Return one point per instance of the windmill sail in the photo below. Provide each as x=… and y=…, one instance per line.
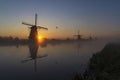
x=33, y=32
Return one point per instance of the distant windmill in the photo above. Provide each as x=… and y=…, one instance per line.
x=90, y=37
x=78, y=36
x=33, y=30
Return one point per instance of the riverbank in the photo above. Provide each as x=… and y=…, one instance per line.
x=104, y=65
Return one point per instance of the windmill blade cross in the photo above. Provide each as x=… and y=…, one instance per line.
x=27, y=24
x=75, y=35
x=39, y=27
x=35, y=19
x=78, y=32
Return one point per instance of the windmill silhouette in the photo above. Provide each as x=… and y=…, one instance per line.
x=33, y=35
x=78, y=36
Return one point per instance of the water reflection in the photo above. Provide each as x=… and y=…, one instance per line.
x=78, y=47
x=64, y=61
x=33, y=50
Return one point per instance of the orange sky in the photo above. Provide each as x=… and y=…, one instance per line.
x=95, y=18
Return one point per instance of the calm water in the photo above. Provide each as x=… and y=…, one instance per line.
x=50, y=62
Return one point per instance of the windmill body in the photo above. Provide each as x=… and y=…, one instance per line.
x=33, y=33
x=78, y=37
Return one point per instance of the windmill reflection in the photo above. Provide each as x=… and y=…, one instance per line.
x=33, y=49
x=78, y=46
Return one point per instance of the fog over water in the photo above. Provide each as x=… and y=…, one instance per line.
x=60, y=61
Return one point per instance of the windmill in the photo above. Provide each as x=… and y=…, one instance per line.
x=33, y=35
x=90, y=37
x=78, y=36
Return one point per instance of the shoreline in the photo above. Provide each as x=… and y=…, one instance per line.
x=104, y=65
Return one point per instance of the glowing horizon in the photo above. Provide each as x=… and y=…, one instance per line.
x=91, y=18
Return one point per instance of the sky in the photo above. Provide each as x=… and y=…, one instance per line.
x=97, y=18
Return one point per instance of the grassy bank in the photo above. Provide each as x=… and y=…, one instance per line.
x=104, y=65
